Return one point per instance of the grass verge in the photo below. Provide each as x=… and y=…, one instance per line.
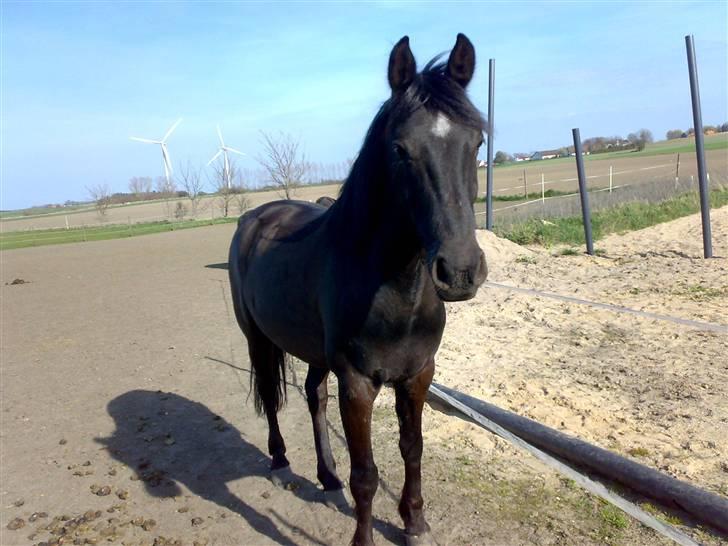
x=532, y=195
x=22, y=239
x=627, y=217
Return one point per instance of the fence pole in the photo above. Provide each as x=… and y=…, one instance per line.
x=699, y=148
x=543, y=189
x=585, y=212
x=525, y=185
x=677, y=170
x=67, y=226
x=610, y=179
x=489, y=166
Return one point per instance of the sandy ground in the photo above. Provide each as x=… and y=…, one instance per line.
x=558, y=175
x=651, y=389
x=122, y=368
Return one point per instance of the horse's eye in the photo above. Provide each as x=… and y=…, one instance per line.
x=400, y=151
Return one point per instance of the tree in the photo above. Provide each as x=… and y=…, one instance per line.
x=645, y=136
x=165, y=187
x=640, y=139
x=240, y=197
x=140, y=185
x=673, y=134
x=285, y=167
x=101, y=196
x=724, y=127
x=191, y=179
x=229, y=196
x=501, y=157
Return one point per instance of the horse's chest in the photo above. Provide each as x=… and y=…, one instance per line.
x=398, y=337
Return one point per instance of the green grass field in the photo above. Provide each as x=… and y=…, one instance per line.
x=619, y=219
x=35, y=211
x=718, y=141
x=22, y=239
x=532, y=195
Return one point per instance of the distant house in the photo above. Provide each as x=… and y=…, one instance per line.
x=522, y=157
x=482, y=164
x=546, y=154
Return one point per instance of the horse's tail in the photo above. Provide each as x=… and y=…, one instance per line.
x=268, y=373
x=268, y=377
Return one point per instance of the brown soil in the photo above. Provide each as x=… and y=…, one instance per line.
x=124, y=382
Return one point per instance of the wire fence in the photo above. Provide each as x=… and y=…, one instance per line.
x=209, y=208
x=651, y=184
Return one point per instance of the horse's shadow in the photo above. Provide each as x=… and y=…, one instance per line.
x=170, y=440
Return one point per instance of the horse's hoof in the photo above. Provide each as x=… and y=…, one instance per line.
x=282, y=477
x=423, y=539
x=337, y=499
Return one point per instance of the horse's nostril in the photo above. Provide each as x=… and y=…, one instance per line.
x=441, y=271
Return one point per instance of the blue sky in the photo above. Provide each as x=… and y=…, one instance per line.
x=78, y=78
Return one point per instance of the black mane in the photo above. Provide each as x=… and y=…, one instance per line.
x=437, y=92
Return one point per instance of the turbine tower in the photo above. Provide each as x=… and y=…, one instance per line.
x=223, y=150
x=165, y=151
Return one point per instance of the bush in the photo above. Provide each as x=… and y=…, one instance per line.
x=180, y=211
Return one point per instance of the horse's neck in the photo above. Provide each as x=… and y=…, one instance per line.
x=373, y=230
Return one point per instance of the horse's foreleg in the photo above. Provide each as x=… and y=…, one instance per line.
x=356, y=396
x=317, y=397
x=410, y=396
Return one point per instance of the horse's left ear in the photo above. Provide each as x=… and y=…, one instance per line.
x=461, y=63
x=402, y=66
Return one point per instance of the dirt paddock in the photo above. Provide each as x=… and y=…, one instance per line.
x=124, y=385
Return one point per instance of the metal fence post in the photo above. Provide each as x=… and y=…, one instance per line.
x=585, y=212
x=699, y=148
x=610, y=178
x=489, y=166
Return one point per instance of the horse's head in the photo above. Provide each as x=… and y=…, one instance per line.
x=432, y=136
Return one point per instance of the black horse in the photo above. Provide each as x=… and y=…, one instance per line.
x=358, y=288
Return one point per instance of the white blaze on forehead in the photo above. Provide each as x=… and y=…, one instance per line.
x=442, y=126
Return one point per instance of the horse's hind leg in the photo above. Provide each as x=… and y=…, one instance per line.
x=317, y=397
x=410, y=398
x=268, y=368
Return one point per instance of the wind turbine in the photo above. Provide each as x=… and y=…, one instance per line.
x=226, y=161
x=165, y=151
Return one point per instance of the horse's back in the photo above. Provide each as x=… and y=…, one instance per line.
x=274, y=263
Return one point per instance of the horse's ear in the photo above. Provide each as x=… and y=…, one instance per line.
x=402, y=66
x=461, y=64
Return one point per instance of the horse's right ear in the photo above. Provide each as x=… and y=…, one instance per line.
x=402, y=66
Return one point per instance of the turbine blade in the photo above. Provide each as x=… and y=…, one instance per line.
x=167, y=162
x=233, y=150
x=219, y=133
x=171, y=129
x=145, y=140
x=214, y=157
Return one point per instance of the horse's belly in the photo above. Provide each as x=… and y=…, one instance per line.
x=282, y=304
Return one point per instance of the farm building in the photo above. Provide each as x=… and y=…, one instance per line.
x=547, y=154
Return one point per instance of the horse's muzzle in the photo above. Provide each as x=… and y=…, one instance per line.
x=456, y=282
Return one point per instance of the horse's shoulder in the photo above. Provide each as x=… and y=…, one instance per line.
x=282, y=221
